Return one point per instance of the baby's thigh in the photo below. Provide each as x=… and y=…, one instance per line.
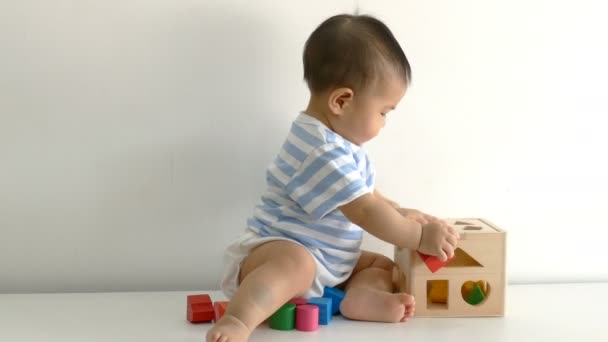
x=294, y=261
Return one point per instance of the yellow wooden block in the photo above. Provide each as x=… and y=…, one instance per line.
x=438, y=293
x=466, y=288
x=483, y=285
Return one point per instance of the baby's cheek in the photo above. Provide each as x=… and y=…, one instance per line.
x=374, y=130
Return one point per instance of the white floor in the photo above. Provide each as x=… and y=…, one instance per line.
x=568, y=312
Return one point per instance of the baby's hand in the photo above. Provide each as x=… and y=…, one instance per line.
x=438, y=239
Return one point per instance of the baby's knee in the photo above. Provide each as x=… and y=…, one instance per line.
x=290, y=261
x=383, y=262
x=300, y=265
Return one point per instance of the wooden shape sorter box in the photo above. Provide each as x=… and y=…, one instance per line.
x=471, y=284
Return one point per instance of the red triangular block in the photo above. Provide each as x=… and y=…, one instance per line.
x=220, y=309
x=433, y=263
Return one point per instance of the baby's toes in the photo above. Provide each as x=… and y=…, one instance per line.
x=406, y=299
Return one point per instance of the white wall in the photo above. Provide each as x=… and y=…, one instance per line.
x=134, y=134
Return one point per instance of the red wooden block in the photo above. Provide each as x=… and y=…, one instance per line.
x=200, y=308
x=299, y=301
x=433, y=263
x=220, y=309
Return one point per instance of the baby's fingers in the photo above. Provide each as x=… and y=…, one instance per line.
x=421, y=219
x=449, y=251
x=452, y=240
x=430, y=218
x=453, y=231
x=442, y=255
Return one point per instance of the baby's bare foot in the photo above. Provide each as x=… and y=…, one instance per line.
x=377, y=306
x=228, y=329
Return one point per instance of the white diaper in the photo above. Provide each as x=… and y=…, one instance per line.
x=240, y=248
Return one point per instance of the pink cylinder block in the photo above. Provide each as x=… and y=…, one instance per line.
x=307, y=317
x=299, y=301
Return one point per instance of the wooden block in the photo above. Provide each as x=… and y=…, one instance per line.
x=219, y=309
x=299, y=301
x=467, y=287
x=336, y=296
x=475, y=296
x=199, y=308
x=325, y=309
x=307, y=317
x=284, y=318
x=438, y=292
x=483, y=285
x=470, y=285
x=433, y=263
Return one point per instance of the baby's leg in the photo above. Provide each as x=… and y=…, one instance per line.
x=369, y=292
x=271, y=275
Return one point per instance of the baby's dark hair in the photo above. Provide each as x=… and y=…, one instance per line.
x=352, y=51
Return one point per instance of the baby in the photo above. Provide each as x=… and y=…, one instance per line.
x=306, y=232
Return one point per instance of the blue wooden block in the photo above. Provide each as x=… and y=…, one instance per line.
x=325, y=310
x=336, y=296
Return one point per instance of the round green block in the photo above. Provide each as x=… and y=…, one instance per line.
x=475, y=296
x=284, y=318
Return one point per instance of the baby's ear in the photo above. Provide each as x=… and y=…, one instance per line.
x=339, y=99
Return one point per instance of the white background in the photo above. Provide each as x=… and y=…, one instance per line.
x=134, y=135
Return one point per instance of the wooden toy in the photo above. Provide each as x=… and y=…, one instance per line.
x=325, y=312
x=284, y=318
x=472, y=283
x=433, y=263
x=438, y=292
x=336, y=296
x=307, y=317
x=220, y=310
x=199, y=308
x=299, y=301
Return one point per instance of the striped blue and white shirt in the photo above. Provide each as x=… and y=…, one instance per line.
x=315, y=173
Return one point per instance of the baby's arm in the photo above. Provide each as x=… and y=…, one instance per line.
x=385, y=199
x=372, y=213
x=413, y=214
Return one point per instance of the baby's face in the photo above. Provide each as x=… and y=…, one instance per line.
x=366, y=115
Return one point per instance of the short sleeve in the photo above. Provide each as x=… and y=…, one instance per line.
x=370, y=175
x=328, y=178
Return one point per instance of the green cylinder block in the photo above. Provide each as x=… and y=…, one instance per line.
x=284, y=318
